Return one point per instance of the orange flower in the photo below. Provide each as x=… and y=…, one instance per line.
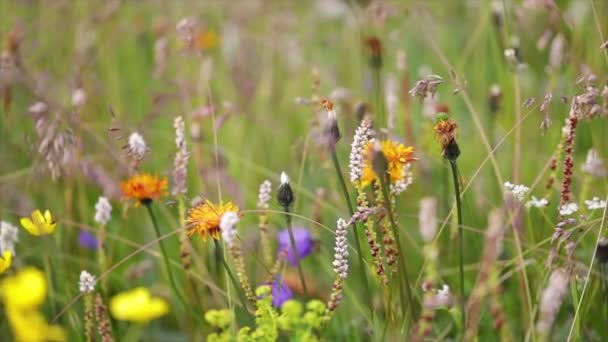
x=205, y=218
x=397, y=156
x=206, y=40
x=446, y=130
x=144, y=188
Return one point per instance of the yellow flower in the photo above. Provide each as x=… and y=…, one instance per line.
x=5, y=261
x=39, y=224
x=206, y=40
x=138, y=306
x=397, y=156
x=205, y=218
x=31, y=326
x=144, y=188
x=25, y=290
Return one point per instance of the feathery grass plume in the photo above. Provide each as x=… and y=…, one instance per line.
x=551, y=301
x=9, y=236
x=103, y=322
x=426, y=87
x=180, y=163
x=264, y=197
x=487, y=277
x=228, y=224
x=86, y=285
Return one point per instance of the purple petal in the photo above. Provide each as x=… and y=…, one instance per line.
x=303, y=240
x=88, y=240
x=280, y=293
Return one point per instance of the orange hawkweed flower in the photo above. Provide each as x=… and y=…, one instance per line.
x=446, y=130
x=144, y=188
x=204, y=218
x=397, y=156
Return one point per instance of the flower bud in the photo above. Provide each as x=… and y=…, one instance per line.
x=285, y=193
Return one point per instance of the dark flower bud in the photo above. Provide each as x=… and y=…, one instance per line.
x=602, y=251
x=451, y=151
x=285, y=193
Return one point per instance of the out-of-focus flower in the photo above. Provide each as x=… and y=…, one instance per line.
x=136, y=146
x=137, y=306
x=551, y=300
x=518, y=191
x=426, y=87
x=180, y=163
x=537, y=203
x=228, y=224
x=103, y=211
x=264, y=194
x=303, y=240
x=9, y=235
x=205, y=218
x=397, y=155
x=143, y=188
x=206, y=40
x=88, y=240
x=280, y=292
x=594, y=165
x=427, y=218
x=39, y=224
x=595, y=203
x=87, y=282
x=79, y=97
x=5, y=261
x=31, y=326
x=568, y=209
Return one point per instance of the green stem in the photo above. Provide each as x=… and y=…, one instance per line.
x=403, y=266
x=219, y=252
x=295, y=250
x=351, y=211
x=460, y=238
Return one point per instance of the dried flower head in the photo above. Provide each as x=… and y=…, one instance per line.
x=144, y=188
x=205, y=218
x=103, y=211
x=397, y=157
x=446, y=131
x=87, y=282
x=136, y=146
x=426, y=87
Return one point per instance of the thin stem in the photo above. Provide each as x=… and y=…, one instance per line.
x=351, y=211
x=460, y=238
x=165, y=254
x=389, y=212
x=219, y=249
x=292, y=240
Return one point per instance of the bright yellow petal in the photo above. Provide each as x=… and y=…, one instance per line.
x=30, y=226
x=5, y=261
x=47, y=216
x=37, y=217
x=24, y=291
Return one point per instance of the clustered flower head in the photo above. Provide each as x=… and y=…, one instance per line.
x=537, y=203
x=136, y=146
x=594, y=165
x=180, y=163
x=341, y=250
x=138, y=306
x=9, y=236
x=39, y=224
x=144, y=188
x=87, y=282
x=103, y=211
x=446, y=131
x=264, y=195
x=205, y=218
x=363, y=135
x=595, y=203
x=397, y=157
x=518, y=191
x=568, y=209
x=228, y=224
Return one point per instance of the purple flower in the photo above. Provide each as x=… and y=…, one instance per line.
x=280, y=292
x=303, y=241
x=88, y=240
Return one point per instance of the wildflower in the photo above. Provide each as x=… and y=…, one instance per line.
x=304, y=244
x=551, y=300
x=426, y=87
x=595, y=203
x=397, y=156
x=38, y=107
x=280, y=292
x=518, y=191
x=205, y=218
x=180, y=163
x=341, y=250
x=494, y=100
x=39, y=224
x=87, y=282
x=144, y=188
x=284, y=193
x=88, y=240
x=406, y=180
x=331, y=132
x=137, y=306
x=446, y=131
x=374, y=45
x=9, y=235
x=228, y=224
x=79, y=97
x=5, y=261
x=594, y=165
x=103, y=211
x=363, y=135
x=206, y=40
x=136, y=146
x=427, y=218
x=264, y=194
x=568, y=209
x=537, y=203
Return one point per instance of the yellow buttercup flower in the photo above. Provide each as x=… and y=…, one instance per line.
x=138, y=306
x=39, y=224
x=205, y=218
x=31, y=326
x=397, y=156
x=144, y=188
x=5, y=261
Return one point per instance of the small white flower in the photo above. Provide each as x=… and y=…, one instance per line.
x=537, y=203
x=518, y=191
x=594, y=165
x=9, y=236
x=87, y=282
x=284, y=178
x=38, y=108
x=444, y=292
x=264, y=195
x=103, y=211
x=79, y=97
x=341, y=250
x=363, y=135
x=568, y=209
x=228, y=224
x=595, y=203
x=137, y=145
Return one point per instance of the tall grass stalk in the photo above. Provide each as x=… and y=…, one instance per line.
x=454, y=168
